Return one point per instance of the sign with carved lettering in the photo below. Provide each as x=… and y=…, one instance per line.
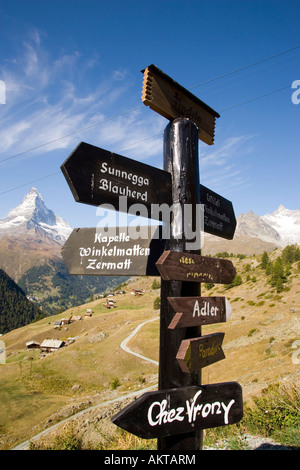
x=96, y=176
x=195, y=353
x=171, y=100
x=176, y=266
x=219, y=217
x=113, y=251
x=182, y=410
x=197, y=311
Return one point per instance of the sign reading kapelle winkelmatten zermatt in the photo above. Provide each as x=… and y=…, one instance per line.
x=113, y=251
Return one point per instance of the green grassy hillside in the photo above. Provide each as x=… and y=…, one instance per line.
x=260, y=346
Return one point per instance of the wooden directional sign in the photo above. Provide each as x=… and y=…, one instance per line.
x=113, y=252
x=176, y=266
x=219, y=217
x=182, y=410
x=197, y=311
x=171, y=100
x=96, y=176
x=195, y=353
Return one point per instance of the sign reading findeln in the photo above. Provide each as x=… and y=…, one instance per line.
x=196, y=353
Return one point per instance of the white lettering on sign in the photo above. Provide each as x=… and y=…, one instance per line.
x=205, y=310
x=111, y=252
x=158, y=413
x=119, y=188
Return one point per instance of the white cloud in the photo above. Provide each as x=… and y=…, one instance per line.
x=222, y=166
x=47, y=101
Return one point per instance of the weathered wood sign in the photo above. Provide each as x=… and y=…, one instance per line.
x=219, y=217
x=96, y=176
x=171, y=100
x=182, y=410
x=195, y=353
x=196, y=311
x=176, y=266
x=113, y=251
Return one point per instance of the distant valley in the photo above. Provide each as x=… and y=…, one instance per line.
x=31, y=238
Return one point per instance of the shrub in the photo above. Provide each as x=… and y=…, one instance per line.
x=156, y=303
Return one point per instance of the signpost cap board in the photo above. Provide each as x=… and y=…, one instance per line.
x=171, y=100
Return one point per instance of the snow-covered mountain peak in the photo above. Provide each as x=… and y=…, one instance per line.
x=33, y=215
x=286, y=222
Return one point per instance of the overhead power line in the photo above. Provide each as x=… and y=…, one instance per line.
x=140, y=107
x=244, y=67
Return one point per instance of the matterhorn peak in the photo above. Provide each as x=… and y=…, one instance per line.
x=33, y=216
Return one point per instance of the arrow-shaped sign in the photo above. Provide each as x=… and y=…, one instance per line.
x=171, y=100
x=182, y=410
x=219, y=217
x=96, y=176
x=197, y=311
x=195, y=353
x=113, y=251
x=176, y=266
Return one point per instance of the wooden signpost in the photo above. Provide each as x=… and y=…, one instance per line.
x=196, y=353
x=177, y=413
x=194, y=311
x=176, y=266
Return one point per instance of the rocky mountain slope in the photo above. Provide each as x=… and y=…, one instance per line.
x=255, y=234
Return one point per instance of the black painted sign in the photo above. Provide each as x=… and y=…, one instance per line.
x=97, y=176
x=113, y=251
x=196, y=353
x=197, y=311
x=176, y=266
x=182, y=410
x=219, y=217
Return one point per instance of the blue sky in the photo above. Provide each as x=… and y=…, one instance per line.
x=72, y=73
